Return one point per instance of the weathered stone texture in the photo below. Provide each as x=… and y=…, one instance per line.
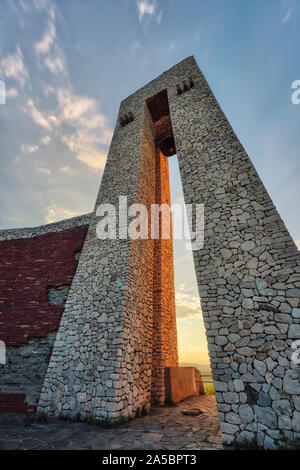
x=23, y=374
x=106, y=344
x=30, y=232
x=247, y=272
x=248, y=275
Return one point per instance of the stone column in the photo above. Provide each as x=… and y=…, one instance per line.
x=248, y=274
x=164, y=342
x=102, y=361
x=102, y=357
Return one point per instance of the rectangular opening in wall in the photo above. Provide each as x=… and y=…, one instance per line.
x=192, y=343
x=170, y=254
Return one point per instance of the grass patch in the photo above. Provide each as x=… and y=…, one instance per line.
x=208, y=388
x=141, y=412
x=106, y=422
x=42, y=418
x=283, y=443
x=246, y=444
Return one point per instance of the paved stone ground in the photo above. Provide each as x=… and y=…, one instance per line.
x=162, y=428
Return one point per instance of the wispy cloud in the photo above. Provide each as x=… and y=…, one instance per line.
x=288, y=7
x=37, y=116
x=158, y=17
x=66, y=169
x=287, y=16
x=54, y=213
x=54, y=64
x=44, y=44
x=186, y=304
x=46, y=139
x=46, y=6
x=90, y=130
x=75, y=119
x=45, y=171
x=82, y=110
x=13, y=67
x=134, y=46
x=148, y=9
x=47, y=50
x=12, y=93
x=87, y=133
x=85, y=146
x=29, y=148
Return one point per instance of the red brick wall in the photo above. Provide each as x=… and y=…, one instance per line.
x=28, y=266
x=15, y=402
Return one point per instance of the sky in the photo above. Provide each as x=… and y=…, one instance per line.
x=67, y=64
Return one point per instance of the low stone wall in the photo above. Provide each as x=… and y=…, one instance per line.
x=37, y=266
x=180, y=383
x=30, y=232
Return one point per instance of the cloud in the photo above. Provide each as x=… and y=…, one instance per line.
x=71, y=130
x=46, y=6
x=29, y=148
x=67, y=170
x=84, y=145
x=12, y=93
x=134, y=46
x=159, y=17
x=54, y=64
x=13, y=67
x=286, y=18
x=46, y=140
x=87, y=131
x=94, y=159
x=298, y=244
x=289, y=7
x=172, y=45
x=45, y=171
x=37, y=116
x=185, y=288
x=78, y=124
x=148, y=8
x=186, y=304
x=48, y=90
x=43, y=46
x=75, y=119
x=74, y=108
x=55, y=213
x=49, y=54
x=90, y=128
x=145, y=8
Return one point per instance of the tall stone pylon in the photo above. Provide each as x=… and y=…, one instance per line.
x=118, y=330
